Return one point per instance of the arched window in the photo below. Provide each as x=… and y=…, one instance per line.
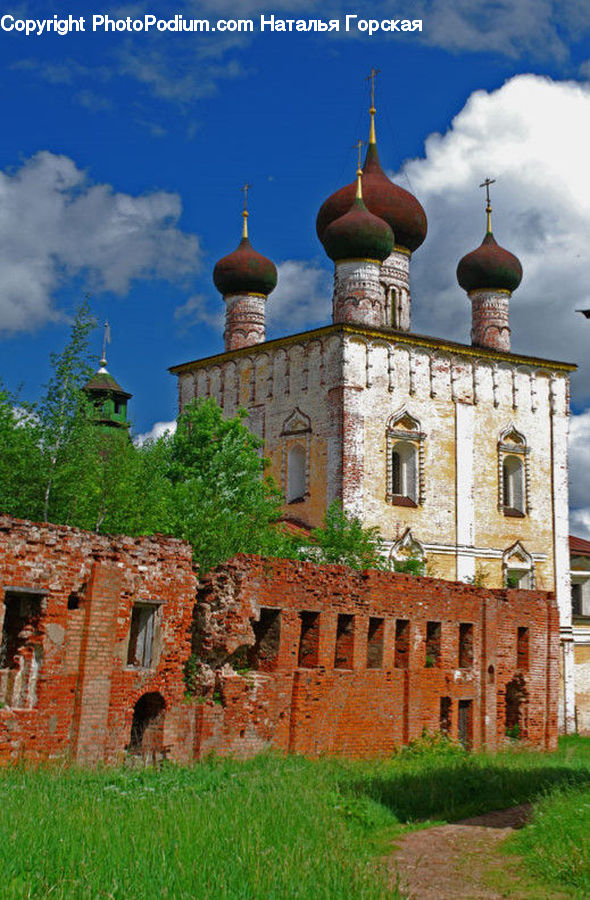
x=405, y=460
x=518, y=568
x=404, y=471
x=513, y=486
x=296, y=462
x=513, y=473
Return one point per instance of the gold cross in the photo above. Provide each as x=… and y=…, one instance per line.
x=371, y=78
x=486, y=185
x=359, y=146
x=245, y=190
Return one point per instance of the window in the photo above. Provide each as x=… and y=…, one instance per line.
x=141, y=635
x=309, y=640
x=343, y=653
x=296, y=432
x=433, y=632
x=576, y=599
x=296, y=460
x=405, y=468
x=512, y=486
x=465, y=723
x=513, y=468
x=404, y=472
x=267, y=632
x=21, y=650
x=375, y=643
x=465, y=645
x=402, y=644
x=518, y=567
x=445, y=715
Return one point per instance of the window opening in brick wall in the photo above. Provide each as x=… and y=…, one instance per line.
x=516, y=708
x=465, y=645
x=141, y=635
x=445, y=715
x=343, y=653
x=147, y=726
x=522, y=649
x=309, y=641
x=21, y=651
x=267, y=632
x=375, y=643
x=402, y=643
x=433, y=636
x=465, y=722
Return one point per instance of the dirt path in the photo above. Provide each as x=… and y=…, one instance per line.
x=461, y=861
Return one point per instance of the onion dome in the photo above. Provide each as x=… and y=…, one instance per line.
x=489, y=267
x=245, y=271
x=396, y=206
x=358, y=234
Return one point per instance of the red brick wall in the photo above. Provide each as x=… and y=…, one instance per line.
x=367, y=711
x=85, y=690
x=246, y=699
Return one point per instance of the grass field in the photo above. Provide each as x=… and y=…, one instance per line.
x=274, y=827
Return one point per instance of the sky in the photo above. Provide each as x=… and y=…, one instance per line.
x=123, y=153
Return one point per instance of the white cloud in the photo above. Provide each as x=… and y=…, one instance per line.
x=531, y=135
x=302, y=298
x=55, y=224
x=158, y=430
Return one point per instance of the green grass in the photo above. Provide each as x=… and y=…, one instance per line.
x=268, y=828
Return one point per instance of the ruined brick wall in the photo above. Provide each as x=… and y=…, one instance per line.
x=101, y=637
x=349, y=668
x=84, y=587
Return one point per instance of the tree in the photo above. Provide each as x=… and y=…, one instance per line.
x=222, y=503
x=63, y=419
x=20, y=459
x=343, y=539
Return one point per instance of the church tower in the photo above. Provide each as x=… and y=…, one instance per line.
x=106, y=395
x=489, y=275
x=404, y=215
x=245, y=278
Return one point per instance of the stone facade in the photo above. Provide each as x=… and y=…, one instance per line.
x=102, y=638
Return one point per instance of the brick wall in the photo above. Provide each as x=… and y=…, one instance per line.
x=98, y=633
x=335, y=702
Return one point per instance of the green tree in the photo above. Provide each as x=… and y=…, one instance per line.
x=221, y=502
x=63, y=421
x=20, y=459
x=343, y=539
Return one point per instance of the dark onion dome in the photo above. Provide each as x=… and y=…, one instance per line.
x=358, y=234
x=245, y=271
x=400, y=209
x=491, y=267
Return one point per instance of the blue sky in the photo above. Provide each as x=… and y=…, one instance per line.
x=123, y=155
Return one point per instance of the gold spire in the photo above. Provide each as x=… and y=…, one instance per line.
x=359, y=172
x=486, y=185
x=372, y=110
x=106, y=340
x=245, y=213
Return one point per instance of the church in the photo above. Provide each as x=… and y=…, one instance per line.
x=457, y=453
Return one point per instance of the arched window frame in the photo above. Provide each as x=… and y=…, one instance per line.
x=403, y=428
x=513, y=444
x=406, y=549
x=517, y=560
x=296, y=432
